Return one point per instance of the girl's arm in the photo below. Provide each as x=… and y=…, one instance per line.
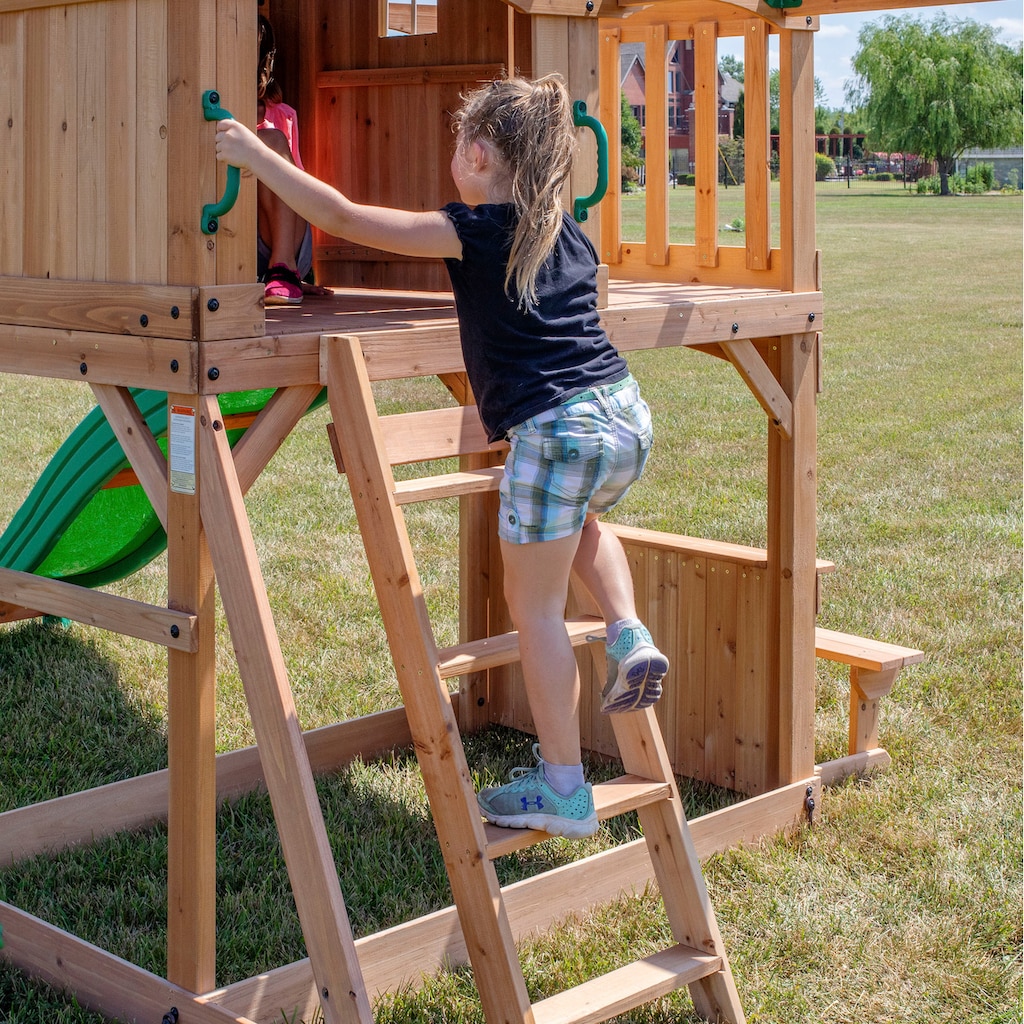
x=428, y=233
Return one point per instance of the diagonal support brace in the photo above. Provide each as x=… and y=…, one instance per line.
x=761, y=381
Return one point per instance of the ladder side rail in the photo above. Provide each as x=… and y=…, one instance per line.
x=474, y=882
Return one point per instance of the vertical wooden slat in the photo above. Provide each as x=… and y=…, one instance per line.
x=52, y=149
x=705, y=129
x=751, y=675
x=191, y=749
x=796, y=159
x=756, y=158
x=92, y=181
x=656, y=145
x=611, y=118
x=13, y=131
x=121, y=144
x=690, y=669
x=105, y=249
x=582, y=79
x=721, y=673
x=150, y=187
x=661, y=616
x=191, y=160
x=236, y=82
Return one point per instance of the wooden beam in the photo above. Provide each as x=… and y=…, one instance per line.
x=307, y=850
x=173, y=629
x=762, y=383
x=137, y=441
x=99, y=980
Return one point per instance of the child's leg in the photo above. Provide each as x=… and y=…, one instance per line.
x=536, y=587
x=602, y=568
x=553, y=795
x=635, y=666
x=279, y=225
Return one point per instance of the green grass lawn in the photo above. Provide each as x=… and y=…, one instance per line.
x=901, y=906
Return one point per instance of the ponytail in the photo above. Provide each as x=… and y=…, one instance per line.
x=530, y=126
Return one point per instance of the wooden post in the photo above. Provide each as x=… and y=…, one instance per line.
x=705, y=61
x=792, y=472
x=293, y=796
x=757, y=171
x=656, y=146
x=191, y=753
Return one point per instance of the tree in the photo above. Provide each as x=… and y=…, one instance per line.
x=821, y=112
x=937, y=89
x=631, y=137
x=729, y=64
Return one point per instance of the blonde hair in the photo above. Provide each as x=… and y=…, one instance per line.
x=529, y=124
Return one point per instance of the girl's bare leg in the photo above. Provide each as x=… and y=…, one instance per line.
x=536, y=588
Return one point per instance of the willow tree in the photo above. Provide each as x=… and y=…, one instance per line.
x=937, y=89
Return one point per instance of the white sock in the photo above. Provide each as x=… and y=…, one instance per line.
x=564, y=779
x=615, y=628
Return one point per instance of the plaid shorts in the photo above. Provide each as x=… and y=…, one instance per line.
x=579, y=458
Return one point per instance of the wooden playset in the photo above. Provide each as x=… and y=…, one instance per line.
x=122, y=267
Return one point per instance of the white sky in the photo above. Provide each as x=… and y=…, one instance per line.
x=836, y=40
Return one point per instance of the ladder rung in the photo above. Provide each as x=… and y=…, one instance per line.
x=503, y=649
x=447, y=485
x=626, y=793
x=624, y=989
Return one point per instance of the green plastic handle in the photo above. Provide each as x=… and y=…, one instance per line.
x=582, y=119
x=212, y=212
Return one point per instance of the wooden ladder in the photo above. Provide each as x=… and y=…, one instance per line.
x=366, y=447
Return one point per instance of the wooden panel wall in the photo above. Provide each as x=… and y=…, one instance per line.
x=706, y=605
x=105, y=158
x=382, y=125
x=83, y=161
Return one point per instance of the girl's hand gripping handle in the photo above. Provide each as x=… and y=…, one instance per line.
x=213, y=111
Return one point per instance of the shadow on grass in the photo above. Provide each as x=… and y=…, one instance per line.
x=66, y=725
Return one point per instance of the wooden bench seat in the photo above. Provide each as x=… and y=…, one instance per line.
x=874, y=666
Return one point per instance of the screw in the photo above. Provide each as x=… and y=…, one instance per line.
x=83, y=369
x=175, y=632
x=214, y=98
x=590, y=6
x=810, y=317
x=174, y=366
x=211, y=226
x=175, y=312
x=144, y=320
x=213, y=373
x=213, y=305
x=735, y=328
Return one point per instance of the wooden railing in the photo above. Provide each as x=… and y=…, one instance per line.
x=790, y=266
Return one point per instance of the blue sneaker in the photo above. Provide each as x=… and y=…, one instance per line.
x=635, y=670
x=529, y=802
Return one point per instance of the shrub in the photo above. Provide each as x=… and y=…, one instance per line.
x=982, y=177
x=824, y=167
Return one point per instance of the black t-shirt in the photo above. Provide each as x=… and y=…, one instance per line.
x=523, y=361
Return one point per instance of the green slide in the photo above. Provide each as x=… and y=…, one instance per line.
x=72, y=527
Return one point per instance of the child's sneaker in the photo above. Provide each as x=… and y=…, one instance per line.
x=283, y=287
x=635, y=670
x=529, y=802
